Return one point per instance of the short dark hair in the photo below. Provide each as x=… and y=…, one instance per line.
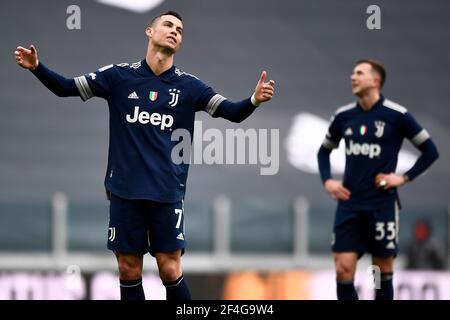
x=377, y=67
x=166, y=13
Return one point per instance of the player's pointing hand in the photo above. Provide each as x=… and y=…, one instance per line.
x=27, y=58
x=264, y=90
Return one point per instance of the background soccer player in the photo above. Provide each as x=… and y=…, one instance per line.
x=148, y=100
x=367, y=212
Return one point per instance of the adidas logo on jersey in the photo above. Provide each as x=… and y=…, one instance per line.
x=162, y=120
x=348, y=132
x=180, y=236
x=365, y=149
x=133, y=95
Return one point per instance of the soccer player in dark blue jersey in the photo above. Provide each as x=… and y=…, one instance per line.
x=367, y=212
x=147, y=101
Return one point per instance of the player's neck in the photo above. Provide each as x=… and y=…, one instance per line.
x=367, y=101
x=159, y=61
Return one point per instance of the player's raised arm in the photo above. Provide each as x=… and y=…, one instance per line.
x=59, y=85
x=218, y=106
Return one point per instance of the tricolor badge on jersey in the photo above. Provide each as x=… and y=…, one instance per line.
x=363, y=130
x=153, y=95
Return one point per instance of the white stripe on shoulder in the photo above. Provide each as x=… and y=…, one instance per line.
x=345, y=108
x=105, y=67
x=135, y=65
x=181, y=73
x=123, y=64
x=394, y=106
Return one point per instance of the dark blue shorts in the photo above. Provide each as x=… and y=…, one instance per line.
x=141, y=226
x=374, y=231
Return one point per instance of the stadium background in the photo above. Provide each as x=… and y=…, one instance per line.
x=250, y=236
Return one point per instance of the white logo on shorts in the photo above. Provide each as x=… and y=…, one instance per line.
x=112, y=234
x=390, y=245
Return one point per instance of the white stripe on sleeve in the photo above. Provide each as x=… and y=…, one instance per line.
x=83, y=88
x=420, y=138
x=329, y=144
x=213, y=103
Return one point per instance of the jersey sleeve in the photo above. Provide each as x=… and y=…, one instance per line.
x=334, y=134
x=96, y=84
x=220, y=107
x=207, y=99
x=412, y=130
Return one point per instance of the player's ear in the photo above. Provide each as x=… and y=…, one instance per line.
x=378, y=81
x=149, y=31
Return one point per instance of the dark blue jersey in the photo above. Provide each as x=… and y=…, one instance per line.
x=144, y=111
x=373, y=140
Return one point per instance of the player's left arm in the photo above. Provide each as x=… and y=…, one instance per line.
x=218, y=106
x=422, y=141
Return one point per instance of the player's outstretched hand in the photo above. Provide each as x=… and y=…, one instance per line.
x=264, y=90
x=27, y=58
x=386, y=181
x=336, y=190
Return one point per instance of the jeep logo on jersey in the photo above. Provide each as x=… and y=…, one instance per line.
x=156, y=119
x=174, y=93
x=153, y=95
x=365, y=149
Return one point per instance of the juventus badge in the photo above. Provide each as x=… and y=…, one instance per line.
x=380, y=128
x=111, y=233
x=174, y=93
